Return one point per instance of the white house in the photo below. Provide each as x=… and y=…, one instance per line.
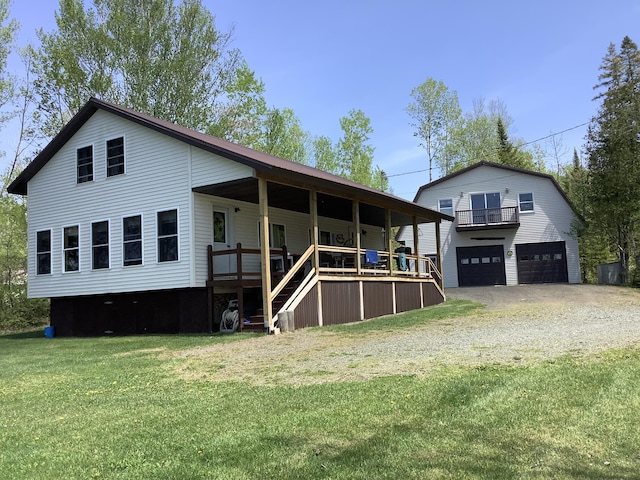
x=512, y=226
x=139, y=225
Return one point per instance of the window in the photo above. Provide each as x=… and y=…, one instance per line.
x=325, y=238
x=168, y=236
x=132, y=240
x=115, y=156
x=445, y=206
x=486, y=207
x=278, y=238
x=100, y=244
x=85, y=164
x=277, y=235
x=525, y=201
x=43, y=252
x=71, y=249
x=219, y=227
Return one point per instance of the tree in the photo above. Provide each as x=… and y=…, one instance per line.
x=354, y=155
x=325, y=155
x=155, y=56
x=511, y=155
x=613, y=151
x=241, y=118
x=435, y=112
x=283, y=136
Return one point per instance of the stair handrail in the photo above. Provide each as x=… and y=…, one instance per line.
x=300, y=292
x=291, y=273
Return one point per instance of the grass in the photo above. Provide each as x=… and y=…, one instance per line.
x=113, y=408
x=450, y=309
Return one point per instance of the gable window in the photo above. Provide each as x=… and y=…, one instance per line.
x=132, y=240
x=115, y=156
x=84, y=157
x=100, y=244
x=445, y=205
x=168, y=236
x=43, y=252
x=525, y=202
x=71, y=248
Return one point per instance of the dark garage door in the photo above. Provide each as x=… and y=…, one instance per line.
x=481, y=266
x=542, y=263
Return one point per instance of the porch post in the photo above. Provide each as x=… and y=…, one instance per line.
x=263, y=201
x=388, y=246
x=439, y=254
x=416, y=244
x=356, y=224
x=313, y=205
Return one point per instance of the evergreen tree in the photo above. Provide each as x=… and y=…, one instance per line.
x=613, y=150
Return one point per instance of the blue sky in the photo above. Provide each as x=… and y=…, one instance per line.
x=324, y=58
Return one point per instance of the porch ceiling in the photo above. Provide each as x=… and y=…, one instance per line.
x=330, y=205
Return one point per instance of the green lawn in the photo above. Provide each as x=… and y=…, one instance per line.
x=114, y=408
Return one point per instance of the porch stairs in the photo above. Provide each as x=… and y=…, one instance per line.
x=256, y=322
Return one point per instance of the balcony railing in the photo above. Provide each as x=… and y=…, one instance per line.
x=487, y=218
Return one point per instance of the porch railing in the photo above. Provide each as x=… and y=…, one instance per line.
x=505, y=216
x=333, y=260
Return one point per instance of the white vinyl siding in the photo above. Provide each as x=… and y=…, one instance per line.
x=208, y=168
x=552, y=221
x=157, y=175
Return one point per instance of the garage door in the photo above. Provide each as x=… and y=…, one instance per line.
x=481, y=266
x=542, y=263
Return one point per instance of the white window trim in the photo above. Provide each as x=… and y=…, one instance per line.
x=178, y=234
x=109, y=244
x=452, y=209
x=533, y=204
x=106, y=156
x=64, y=270
x=50, y=230
x=141, y=238
x=271, y=234
x=488, y=192
x=93, y=163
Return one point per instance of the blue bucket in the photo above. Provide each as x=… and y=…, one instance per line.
x=48, y=332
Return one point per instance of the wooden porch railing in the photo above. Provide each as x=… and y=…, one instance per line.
x=338, y=261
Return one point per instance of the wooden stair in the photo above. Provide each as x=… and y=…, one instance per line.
x=256, y=322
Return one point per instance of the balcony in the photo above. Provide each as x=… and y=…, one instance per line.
x=487, y=219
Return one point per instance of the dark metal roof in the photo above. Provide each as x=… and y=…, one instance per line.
x=275, y=169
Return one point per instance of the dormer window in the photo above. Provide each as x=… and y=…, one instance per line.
x=85, y=164
x=115, y=156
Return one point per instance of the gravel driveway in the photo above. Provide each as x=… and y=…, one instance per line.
x=520, y=325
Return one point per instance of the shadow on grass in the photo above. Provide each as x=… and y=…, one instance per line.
x=39, y=333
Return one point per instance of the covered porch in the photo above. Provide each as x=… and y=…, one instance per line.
x=336, y=278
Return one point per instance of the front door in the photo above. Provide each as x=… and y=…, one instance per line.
x=222, y=241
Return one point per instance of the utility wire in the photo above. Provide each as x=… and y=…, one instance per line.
x=520, y=145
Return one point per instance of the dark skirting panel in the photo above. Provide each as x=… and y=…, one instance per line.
x=167, y=311
x=306, y=313
x=432, y=295
x=407, y=297
x=340, y=302
x=378, y=299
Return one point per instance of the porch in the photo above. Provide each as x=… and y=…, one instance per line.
x=487, y=219
x=326, y=285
